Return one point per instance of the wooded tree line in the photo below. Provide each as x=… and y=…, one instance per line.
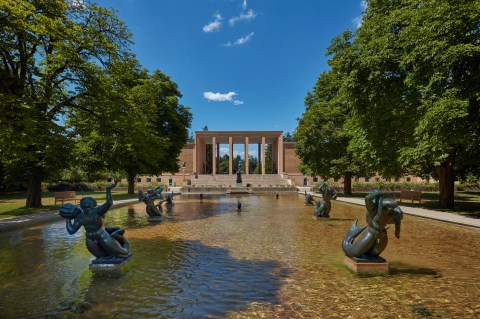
x=402, y=95
x=74, y=95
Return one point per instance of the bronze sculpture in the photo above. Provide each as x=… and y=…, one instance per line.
x=152, y=209
x=103, y=243
x=239, y=176
x=328, y=193
x=380, y=212
x=308, y=199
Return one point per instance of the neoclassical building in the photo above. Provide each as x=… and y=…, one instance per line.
x=200, y=161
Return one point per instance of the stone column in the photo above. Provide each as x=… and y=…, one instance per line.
x=246, y=155
x=259, y=158
x=194, y=159
x=280, y=155
x=214, y=155
x=263, y=155
x=218, y=156
x=230, y=155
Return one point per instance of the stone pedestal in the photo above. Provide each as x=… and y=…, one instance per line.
x=366, y=267
x=239, y=185
x=109, y=267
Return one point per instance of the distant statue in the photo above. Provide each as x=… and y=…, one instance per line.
x=380, y=212
x=107, y=242
x=305, y=180
x=308, y=199
x=169, y=199
x=328, y=193
x=152, y=209
x=205, y=128
x=239, y=176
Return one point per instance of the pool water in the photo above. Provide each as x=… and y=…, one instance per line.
x=273, y=259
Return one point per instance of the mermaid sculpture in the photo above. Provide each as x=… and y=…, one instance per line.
x=103, y=243
x=308, y=199
x=380, y=212
x=328, y=193
x=153, y=210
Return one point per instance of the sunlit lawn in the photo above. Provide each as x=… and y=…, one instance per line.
x=466, y=203
x=13, y=204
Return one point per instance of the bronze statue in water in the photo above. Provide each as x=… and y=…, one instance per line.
x=328, y=193
x=152, y=209
x=102, y=242
x=380, y=212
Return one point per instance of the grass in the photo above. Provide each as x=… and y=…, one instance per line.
x=13, y=204
x=466, y=203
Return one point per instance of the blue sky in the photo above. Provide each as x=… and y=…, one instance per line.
x=240, y=64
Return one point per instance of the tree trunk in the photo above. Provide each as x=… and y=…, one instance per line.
x=347, y=184
x=34, y=193
x=446, y=179
x=131, y=183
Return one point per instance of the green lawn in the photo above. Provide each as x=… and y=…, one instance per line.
x=13, y=204
x=466, y=203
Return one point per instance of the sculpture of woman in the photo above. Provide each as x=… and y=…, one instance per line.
x=328, y=193
x=149, y=198
x=100, y=241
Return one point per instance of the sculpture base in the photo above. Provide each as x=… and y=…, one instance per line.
x=110, y=266
x=239, y=184
x=368, y=268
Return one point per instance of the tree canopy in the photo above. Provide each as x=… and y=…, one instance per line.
x=57, y=75
x=408, y=79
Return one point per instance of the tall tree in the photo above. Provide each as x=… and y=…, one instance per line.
x=50, y=53
x=415, y=84
x=323, y=134
x=143, y=130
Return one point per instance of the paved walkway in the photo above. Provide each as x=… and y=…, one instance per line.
x=43, y=217
x=421, y=212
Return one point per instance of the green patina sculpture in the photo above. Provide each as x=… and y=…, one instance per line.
x=380, y=212
x=328, y=193
x=102, y=242
x=308, y=199
x=153, y=210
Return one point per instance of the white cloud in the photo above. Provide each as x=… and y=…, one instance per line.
x=222, y=97
x=249, y=15
x=364, y=5
x=219, y=97
x=239, y=41
x=244, y=4
x=215, y=24
x=357, y=21
x=78, y=4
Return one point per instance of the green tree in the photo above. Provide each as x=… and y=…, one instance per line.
x=224, y=164
x=323, y=132
x=252, y=164
x=288, y=137
x=50, y=54
x=238, y=163
x=143, y=130
x=414, y=88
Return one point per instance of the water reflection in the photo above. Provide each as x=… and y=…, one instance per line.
x=185, y=278
x=275, y=259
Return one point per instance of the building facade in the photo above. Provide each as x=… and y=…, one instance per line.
x=203, y=156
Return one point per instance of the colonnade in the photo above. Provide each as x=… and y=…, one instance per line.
x=215, y=138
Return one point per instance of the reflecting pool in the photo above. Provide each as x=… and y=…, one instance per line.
x=274, y=259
